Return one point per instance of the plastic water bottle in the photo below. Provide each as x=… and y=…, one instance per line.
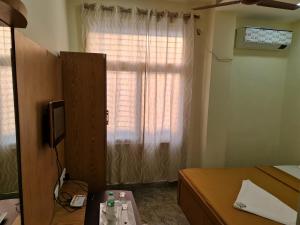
x=110, y=209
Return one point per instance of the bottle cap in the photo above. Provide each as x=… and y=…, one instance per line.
x=110, y=193
x=110, y=203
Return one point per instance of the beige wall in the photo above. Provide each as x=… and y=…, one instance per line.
x=257, y=89
x=47, y=24
x=197, y=135
x=247, y=97
x=290, y=128
x=213, y=155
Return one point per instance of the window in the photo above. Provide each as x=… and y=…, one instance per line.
x=7, y=113
x=139, y=103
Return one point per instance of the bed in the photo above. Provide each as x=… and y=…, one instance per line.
x=206, y=196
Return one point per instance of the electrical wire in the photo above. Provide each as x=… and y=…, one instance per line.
x=67, y=199
x=218, y=58
x=62, y=200
x=82, y=186
x=57, y=161
x=58, y=166
x=18, y=209
x=64, y=204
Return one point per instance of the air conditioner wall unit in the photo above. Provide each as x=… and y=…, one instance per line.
x=263, y=38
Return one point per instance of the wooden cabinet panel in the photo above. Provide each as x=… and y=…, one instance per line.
x=84, y=82
x=38, y=82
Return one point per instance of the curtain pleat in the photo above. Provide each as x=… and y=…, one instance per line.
x=8, y=153
x=149, y=77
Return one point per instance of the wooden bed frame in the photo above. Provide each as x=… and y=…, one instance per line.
x=195, y=209
x=200, y=207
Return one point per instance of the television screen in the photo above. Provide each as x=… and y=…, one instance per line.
x=57, y=122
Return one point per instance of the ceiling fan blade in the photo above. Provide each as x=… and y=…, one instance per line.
x=278, y=5
x=217, y=5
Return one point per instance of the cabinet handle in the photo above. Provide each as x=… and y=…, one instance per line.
x=107, y=117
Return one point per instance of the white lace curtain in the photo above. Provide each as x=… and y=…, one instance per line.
x=8, y=154
x=149, y=75
x=7, y=109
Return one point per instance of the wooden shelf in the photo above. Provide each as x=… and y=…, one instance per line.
x=13, y=13
x=61, y=215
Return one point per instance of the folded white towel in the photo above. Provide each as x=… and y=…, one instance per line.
x=256, y=200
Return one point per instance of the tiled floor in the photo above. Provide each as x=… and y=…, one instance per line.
x=157, y=204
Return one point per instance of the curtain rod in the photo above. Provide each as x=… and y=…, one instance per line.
x=139, y=11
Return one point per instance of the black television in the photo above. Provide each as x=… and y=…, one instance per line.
x=56, y=122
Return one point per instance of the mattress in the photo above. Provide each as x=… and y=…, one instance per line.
x=217, y=189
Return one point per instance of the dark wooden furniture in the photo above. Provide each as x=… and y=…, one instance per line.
x=13, y=13
x=93, y=206
x=38, y=82
x=206, y=196
x=64, y=217
x=84, y=82
x=12, y=207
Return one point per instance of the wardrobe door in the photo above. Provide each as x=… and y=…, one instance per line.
x=84, y=82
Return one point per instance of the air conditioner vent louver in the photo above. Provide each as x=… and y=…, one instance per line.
x=262, y=38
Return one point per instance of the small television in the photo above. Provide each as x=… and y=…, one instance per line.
x=56, y=122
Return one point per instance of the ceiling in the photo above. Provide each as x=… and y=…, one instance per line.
x=252, y=11
x=259, y=12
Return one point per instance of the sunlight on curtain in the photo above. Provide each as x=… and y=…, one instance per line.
x=123, y=57
x=7, y=113
x=8, y=153
x=149, y=72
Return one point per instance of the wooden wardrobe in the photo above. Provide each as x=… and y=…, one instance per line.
x=84, y=85
x=79, y=79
